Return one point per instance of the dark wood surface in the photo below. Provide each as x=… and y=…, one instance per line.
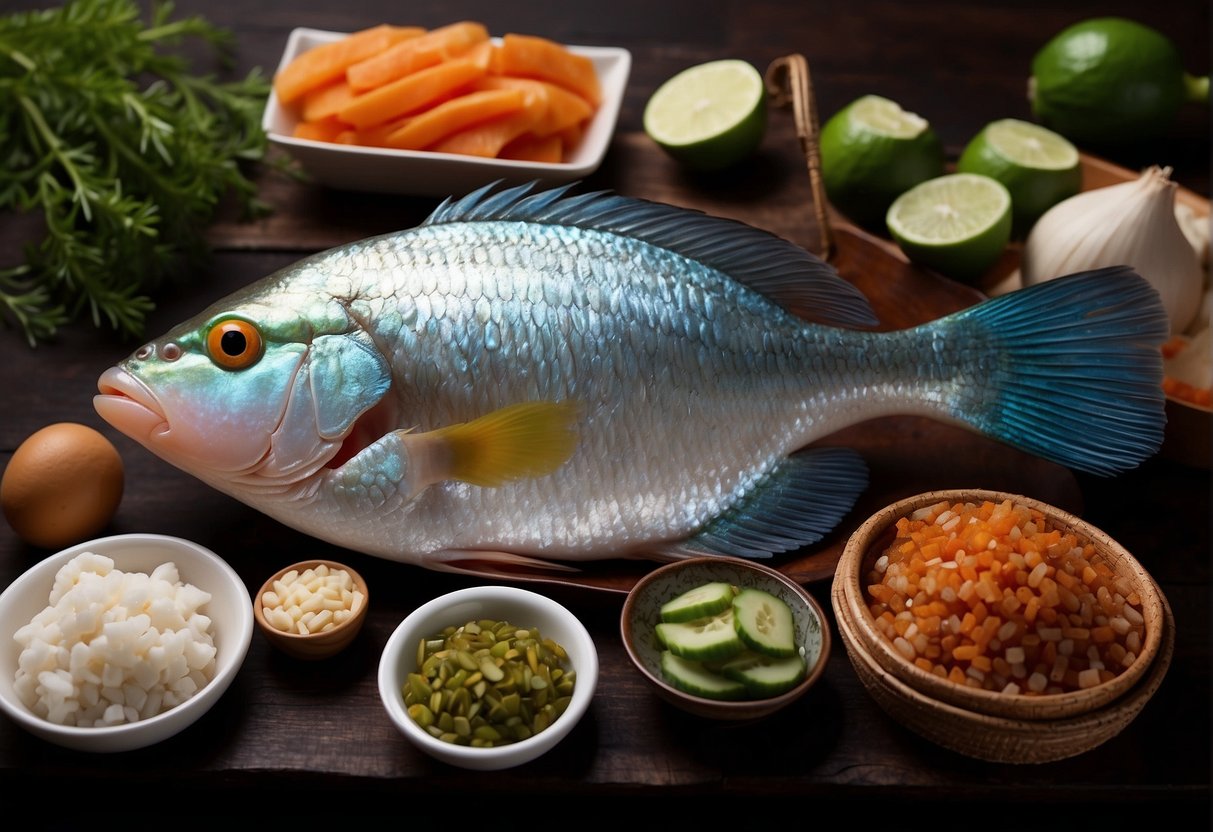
x=295, y=731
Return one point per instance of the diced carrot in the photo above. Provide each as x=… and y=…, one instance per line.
x=454, y=115
x=1039, y=604
x=321, y=130
x=324, y=102
x=407, y=57
x=418, y=90
x=328, y=62
x=530, y=56
x=880, y=592
x=965, y=652
x=1030, y=609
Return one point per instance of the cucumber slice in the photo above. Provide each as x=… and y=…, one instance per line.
x=700, y=602
x=693, y=678
x=764, y=623
x=765, y=676
x=703, y=639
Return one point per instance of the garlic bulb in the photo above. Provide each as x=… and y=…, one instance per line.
x=1129, y=224
x=1197, y=229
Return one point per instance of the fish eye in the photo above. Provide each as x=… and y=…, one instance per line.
x=234, y=344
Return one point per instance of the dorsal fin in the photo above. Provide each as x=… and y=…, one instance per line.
x=779, y=269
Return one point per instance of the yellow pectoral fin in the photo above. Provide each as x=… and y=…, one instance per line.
x=523, y=440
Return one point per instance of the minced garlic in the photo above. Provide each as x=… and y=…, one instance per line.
x=312, y=601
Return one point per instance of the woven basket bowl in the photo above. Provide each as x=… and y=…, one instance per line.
x=999, y=739
x=870, y=540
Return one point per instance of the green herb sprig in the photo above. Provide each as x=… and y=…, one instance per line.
x=123, y=150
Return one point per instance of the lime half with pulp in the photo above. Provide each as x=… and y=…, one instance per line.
x=709, y=116
x=957, y=224
x=1038, y=166
x=872, y=151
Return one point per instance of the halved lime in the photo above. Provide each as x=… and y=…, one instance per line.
x=872, y=151
x=957, y=224
x=1110, y=80
x=709, y=116
x=1038, y=166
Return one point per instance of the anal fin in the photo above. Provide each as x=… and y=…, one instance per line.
x=795, y=505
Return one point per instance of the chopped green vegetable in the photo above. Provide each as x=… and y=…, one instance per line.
x=123, y=150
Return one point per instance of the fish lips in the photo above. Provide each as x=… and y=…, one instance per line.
x=202, y=436
x=129, y=406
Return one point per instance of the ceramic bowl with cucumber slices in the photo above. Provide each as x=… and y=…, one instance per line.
x=725, y=638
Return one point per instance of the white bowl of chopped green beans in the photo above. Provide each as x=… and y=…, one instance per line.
x=488, y=677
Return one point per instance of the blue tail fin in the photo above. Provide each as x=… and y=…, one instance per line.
x=1076, y=373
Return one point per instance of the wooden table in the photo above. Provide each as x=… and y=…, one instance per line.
x=298, y=732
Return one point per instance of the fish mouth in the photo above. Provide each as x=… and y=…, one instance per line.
x=128, y=405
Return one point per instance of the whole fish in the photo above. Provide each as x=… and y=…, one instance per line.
x=537, y=378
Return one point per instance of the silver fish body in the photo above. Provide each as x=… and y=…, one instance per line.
x=694, y=387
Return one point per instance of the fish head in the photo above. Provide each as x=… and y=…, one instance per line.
x=261, y=389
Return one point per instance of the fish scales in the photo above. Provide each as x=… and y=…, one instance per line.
x=657, y=323
x=537, y=378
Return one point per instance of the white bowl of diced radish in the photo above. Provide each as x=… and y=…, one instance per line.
x=122, y=642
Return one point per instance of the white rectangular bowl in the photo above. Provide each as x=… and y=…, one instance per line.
x=425, y=173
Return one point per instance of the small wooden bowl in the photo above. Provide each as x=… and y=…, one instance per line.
x=319, y=645
x=989, y=724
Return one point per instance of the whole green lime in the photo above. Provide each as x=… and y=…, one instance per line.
x=1110, y=80
x=872, y=151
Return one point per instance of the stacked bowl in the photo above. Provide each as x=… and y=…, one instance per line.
x=1026, y=717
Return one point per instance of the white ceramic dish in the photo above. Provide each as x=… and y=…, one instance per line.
x=520, y=607
x=230, y=609
x=383, y=170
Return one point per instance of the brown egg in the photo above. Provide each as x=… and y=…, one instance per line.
x=62, y=485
